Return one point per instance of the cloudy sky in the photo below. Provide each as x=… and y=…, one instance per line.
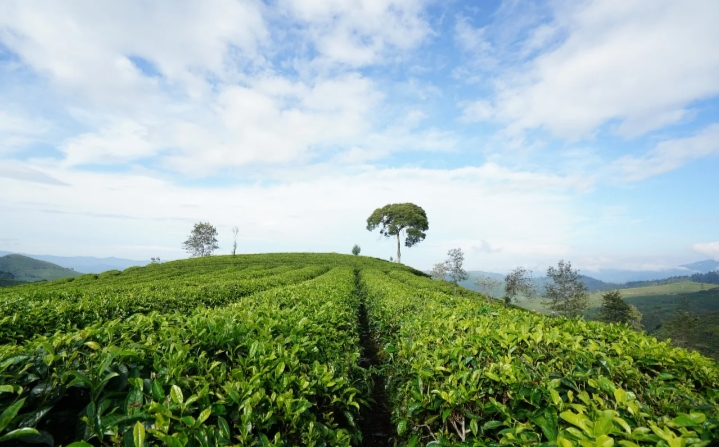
x=528, y=131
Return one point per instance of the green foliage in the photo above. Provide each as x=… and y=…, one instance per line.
x=265, y=350
x=202, y=240
x=567, y=295
x=356, y=250
x=679, y=328
x=615, y=310
x=463, y=372
x=279, y=367
x=396, y=218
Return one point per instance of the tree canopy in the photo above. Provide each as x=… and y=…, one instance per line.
x=518, y=282
x=202, y=240
x=397, y=219
x=615, y=310
x=566, y=292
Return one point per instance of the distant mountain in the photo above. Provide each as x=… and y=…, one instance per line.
x=23, y=268
x=87, y=264
x=624, y=276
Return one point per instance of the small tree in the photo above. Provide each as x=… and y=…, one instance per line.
x=615, y=310
x=439, y=271
x=518, y=283
x=356, y=250
x=567, y=295
x=454, y=266
x=202, y=241
x=155, y=260
x=235, y=231
x=487, y=285
x=398, y=218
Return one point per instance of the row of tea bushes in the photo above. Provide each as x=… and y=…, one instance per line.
x=24, y=318
x=279, y=368
x=463, y=372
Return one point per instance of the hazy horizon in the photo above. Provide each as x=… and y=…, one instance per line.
x=529, y=131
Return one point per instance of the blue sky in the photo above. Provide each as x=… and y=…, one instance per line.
x=529, y=131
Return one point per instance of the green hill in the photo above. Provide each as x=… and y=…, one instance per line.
x=327, y=349
x=26, y=269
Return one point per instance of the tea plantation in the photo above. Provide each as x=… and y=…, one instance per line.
x=324, y=350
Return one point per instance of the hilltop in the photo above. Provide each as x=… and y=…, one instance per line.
x=25, y=269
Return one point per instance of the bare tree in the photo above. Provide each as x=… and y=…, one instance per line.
x=454, y=266
x=235, y=231
x=518, y=283
x=487, y=285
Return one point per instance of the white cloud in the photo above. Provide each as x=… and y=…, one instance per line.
x=480, y=110
x=17, y=171
x=360, y=32
x=710, y=249
x=18, y=130
x=120, y=142
x=218, y=103
x=669, y=155
x=85, y=47
x=325, y=212
x=638, y=64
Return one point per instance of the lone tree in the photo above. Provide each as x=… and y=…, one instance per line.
x=567, y=295
x=518, y=283
x=356, y=250
x=615, y=310
x=235, y=231
x=202, y=241
x=454, y=266
x=398, y=218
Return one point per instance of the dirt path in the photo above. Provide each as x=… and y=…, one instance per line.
x=375, y=421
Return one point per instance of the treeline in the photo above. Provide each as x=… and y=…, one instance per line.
x=708, y=278
x=7, y=279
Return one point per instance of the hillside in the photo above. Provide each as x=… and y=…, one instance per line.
x=27, y=269
x=7, y=279
x=327, y=349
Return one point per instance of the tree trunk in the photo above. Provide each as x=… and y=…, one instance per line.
x=399, y=255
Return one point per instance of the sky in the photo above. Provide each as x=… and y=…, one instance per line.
x=529, y=131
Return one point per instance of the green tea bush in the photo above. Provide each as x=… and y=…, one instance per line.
x=460, y=371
